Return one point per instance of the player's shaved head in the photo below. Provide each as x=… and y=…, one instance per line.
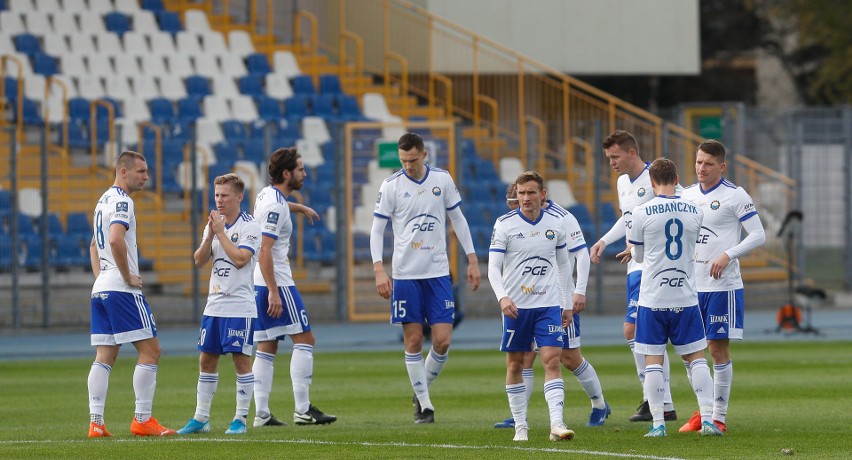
x=127, y=159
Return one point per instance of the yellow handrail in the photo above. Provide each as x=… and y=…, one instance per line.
x=542, y=143
x=313, y=42
x=158, y=151
x=448, y=90
x=187, y=179
x=93, y=128
x=63, y=151
x=495, y=125
x=19, y=110
x=403, y=71
x=359, y=56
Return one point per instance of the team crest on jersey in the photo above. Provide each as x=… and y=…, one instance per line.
x=641, y=191
x=715, y=205
x=235, y=237
x=436, y=191
x=121, y=207
x=549, y=234
x=272, y=218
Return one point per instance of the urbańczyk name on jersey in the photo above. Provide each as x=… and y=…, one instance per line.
x=676, y=206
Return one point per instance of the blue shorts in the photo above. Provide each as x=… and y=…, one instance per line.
x=293, y=320
x=413, y=301
x=220, y=336
x=120, y=317
x=723, y=313
x=542, y=325
x=634, y=280
x=572, y=334
x=656, y=326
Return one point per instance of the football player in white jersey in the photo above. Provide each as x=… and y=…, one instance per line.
x=120, y=313
x=728, y=209
x=529, y=270
x=417, y=200
x=231, y=239
x=280, y=310
x=634, y=188
x=663, y=236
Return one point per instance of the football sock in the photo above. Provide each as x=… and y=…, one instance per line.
x=301, y=373
x=688, y=374
x=144, y=384
x=517, y=402
x=639, y=360
x=654, y=387
x=207, y=384
x=723, y=375
x=702, y=385
x=434, y=364
x=588, y=378
x=417, y=376
x=668, y=405
x=263, y=369
x=554, y=394
x=98, y=386
x=529, y=382
x=245, y=386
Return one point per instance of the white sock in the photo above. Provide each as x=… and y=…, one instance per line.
x=529, y=382
x=98, y=386
x=417, y=376
x=668, y=405
x=588, y=378
x=654, y=387
x=301, y=373
x=723, y=375
x=245, y=387
x=688, y=373
x=144, y=385
x=263, y=369
x=702, y=385
x=517, y=403
x=434, y=364
x=554, y=394
x=207, y=384
x=639, y=360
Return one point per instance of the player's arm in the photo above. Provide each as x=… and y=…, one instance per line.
x=755, y=238
x=581, y=260
x=240, y=256
x=636, y=239
x=617, y=232
x=308, y=212
x=267, y=270
x=377, y=248
x=94, y=259
x=495, y=277
x=205, y=249
x=117, y=231
x=566, y=269
x=462, y=231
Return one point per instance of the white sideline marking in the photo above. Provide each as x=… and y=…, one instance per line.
x=366, y=444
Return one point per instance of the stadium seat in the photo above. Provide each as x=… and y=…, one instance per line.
x=19, y=6
x=169, y=22
x=11, y=23
x=213, y=42
x=152, y=5
x=278, y=86
x=145, y=21
x=196, y=21
x=315, y=130
x=93, y=22
x=226, y=154
x=269, y=108
x=99, y=65
x=72, y=252
x=109, y=43
x=44, y=64
x=285, y=64
x=127, y=6
x=145, y=86
x=224, y=86
x=172, y=87
x=243, y=109
x=330, y=84
x=324, y=106
x=311, y=153
x=64, y=23
x=7, y=45
x=78, y=224
x=297, y=107
x=99, y=7
x=207, y=65
x=162, y=43
x=180, y=65
x=233, y=65
x=256, y=63
x=152, y=64
x=27, y=44
x=303, y=84
x=188, y=42
x=216, y=108
x=189, y=109
x=198, y=86
x=510, y=168
x=90, y=87
x=239, y=42
x=136, y=43
x=117, y=86
x=117, y=22
x=162, y=111
x=348, y=108
x=234, y=131
x=136, y=110
x=251, y=85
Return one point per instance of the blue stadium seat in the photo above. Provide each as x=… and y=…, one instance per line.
x=324, y=106
x=297, y=107
x=11, y=88
x=162, y=110
x=31, y=113
x=302, y=84
x=189, y=109
x=269, y=108
x=251, y=85
x=330, y=84
x=234, y=131
x=5, y=204
x=152, y=5
x=78, y=224
x=254, y=151
x=33, y=248
x=54, y=227
x=44, y=64
x=117, y=22
x=226, y=154
x=72, y=252
x=27, y=44
x=348, y=106
x=169, y=22
x=79, y=108
x=5, y=254
x=258, y=64
x=198, y=86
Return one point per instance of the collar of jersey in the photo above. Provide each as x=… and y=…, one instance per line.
x=647, y=165
x=121, y=191
x=669, y=197
x=721, y=180
x=418, y=182
x=540, y=215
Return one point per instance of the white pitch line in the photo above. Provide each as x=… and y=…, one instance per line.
x=368, y=444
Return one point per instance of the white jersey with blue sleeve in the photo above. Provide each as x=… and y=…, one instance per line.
x=115, y=207
x=418, y=214
x=231, y=289
x=726, y=207
x=272, y=213
x=667, y=228
x=530, y=271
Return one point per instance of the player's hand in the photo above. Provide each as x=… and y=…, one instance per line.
x=274, y=301
x=579, y=301
x=596, y=252
x=311, y=215
x=625, y=256
x=508, y=307
x=567, y=317
x=134, y=281
x=383, y=284
x=473, y=276
x=217, y=222
x=719, y=265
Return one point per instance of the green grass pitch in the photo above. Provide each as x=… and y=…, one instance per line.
x=790, y=400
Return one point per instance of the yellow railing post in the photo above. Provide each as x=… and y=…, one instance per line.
x=495, y=126
x=313, y=41
x=63, y=151
x=19, y=108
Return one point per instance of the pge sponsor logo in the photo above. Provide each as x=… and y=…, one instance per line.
x=671, y=277
x=672, y=282
x=423, y=227
x=423, y=223
x=536, y=270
